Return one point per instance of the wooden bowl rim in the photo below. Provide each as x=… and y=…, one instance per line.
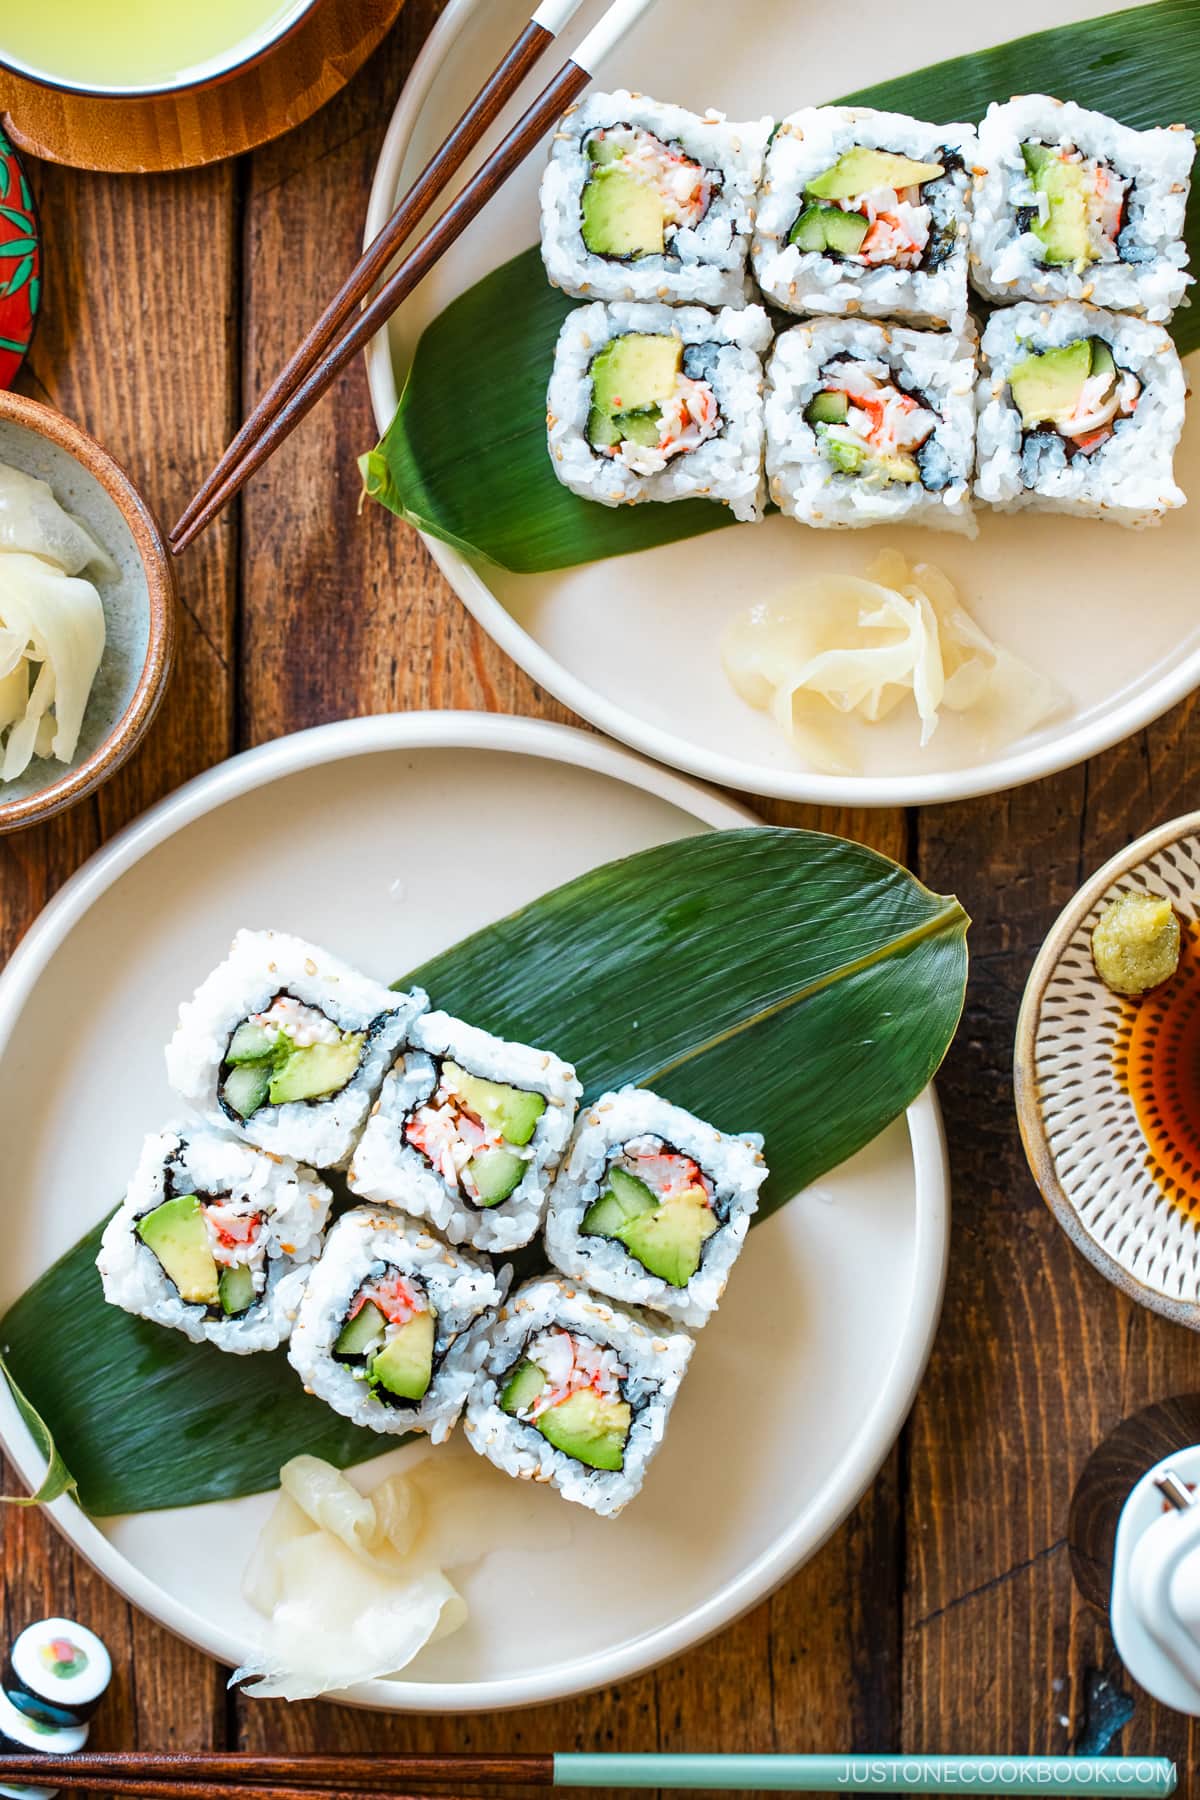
x=162, y=599
x=206, y=82
x=1030, y=1120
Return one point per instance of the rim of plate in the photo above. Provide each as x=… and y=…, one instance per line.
x=239, y=58
x=1040, y=1154
x=883, y=1420
x=1092, y=734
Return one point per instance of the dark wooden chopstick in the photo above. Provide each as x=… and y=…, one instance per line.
x=555, y=97
x=196, y=1775
x=165, y=1789
x=443, y=165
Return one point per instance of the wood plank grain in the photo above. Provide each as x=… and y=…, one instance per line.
x=1038, y=1357
x=138, y=340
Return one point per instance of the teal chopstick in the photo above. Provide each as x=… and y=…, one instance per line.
x=911, y=1774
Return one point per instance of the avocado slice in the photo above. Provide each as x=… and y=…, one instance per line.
x=827, y=409
x=496, y=1173
x=829, y=228
x=237, y=1289
x=625, y=1198
x=246, y=1087
x=176, y=1233
x=590, y=1427
x=363, y=1333
x=250, y=1043
x=847, y=459
x=524, y=1384
x=620, y=214
x=861, y=171
x=315, y=1070
x=635, y=371
x=897, y=468
x=1064, y=235
x=1103, y=362
x=1047, y=387
x=669, y=1240
x=512, y=1111
x=405, y=1364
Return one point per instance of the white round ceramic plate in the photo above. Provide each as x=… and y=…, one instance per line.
x=632, y=643
x=353, y=835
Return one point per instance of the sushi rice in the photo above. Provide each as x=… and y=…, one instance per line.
x=391, y=1256
x=716, y=454
x=607, y=1350
x=390, y=1169
x=1129, y=478
x=934, y=369
x=1135, y=189
x=706, y=171
x=286, y=990
x=916, y=275
x=255, y=1212
x=636, y=1130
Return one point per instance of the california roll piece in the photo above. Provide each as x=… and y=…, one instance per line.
x=642, y=201
x=575, y=1392
x=865, y=212
x=380, y=1333
x=871, y=424
x=207, y=1235
x=660, y=403
x=652, y=1205
x=287, y=1045
x=1080, y=411
x=1071, y=205
x=468, y=1133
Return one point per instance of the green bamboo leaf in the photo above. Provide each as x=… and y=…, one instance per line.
x=774, y=980
x=16, y=217
x=5, y=167
x=20, y=246
x=487, y=357
x=12, y=344
x=58, y=1479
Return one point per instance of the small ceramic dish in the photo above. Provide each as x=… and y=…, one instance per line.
x=1104, y=1086
x=139, y=606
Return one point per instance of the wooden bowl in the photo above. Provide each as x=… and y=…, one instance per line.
x=224, y=117
x=1116, y=1159
x=139, y=606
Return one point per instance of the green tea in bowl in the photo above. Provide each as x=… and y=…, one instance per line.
x=140, y=46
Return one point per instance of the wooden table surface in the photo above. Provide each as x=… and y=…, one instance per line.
x=943, y=1615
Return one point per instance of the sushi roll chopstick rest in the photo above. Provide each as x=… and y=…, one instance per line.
x=865, y=212
x=468, y=1133
x=56, y=1673
x=207, y=1231
x=1080, y=411
x=575, y=1392
x=381, y=1331
x=1071, y=205
x=652, y=1205
x=286, y=1045
x=642, y=201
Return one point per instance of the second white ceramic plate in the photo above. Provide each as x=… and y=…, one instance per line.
x=353, y=835
x=632, y=643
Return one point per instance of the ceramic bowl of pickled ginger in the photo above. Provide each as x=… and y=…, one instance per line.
x=87, y=613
